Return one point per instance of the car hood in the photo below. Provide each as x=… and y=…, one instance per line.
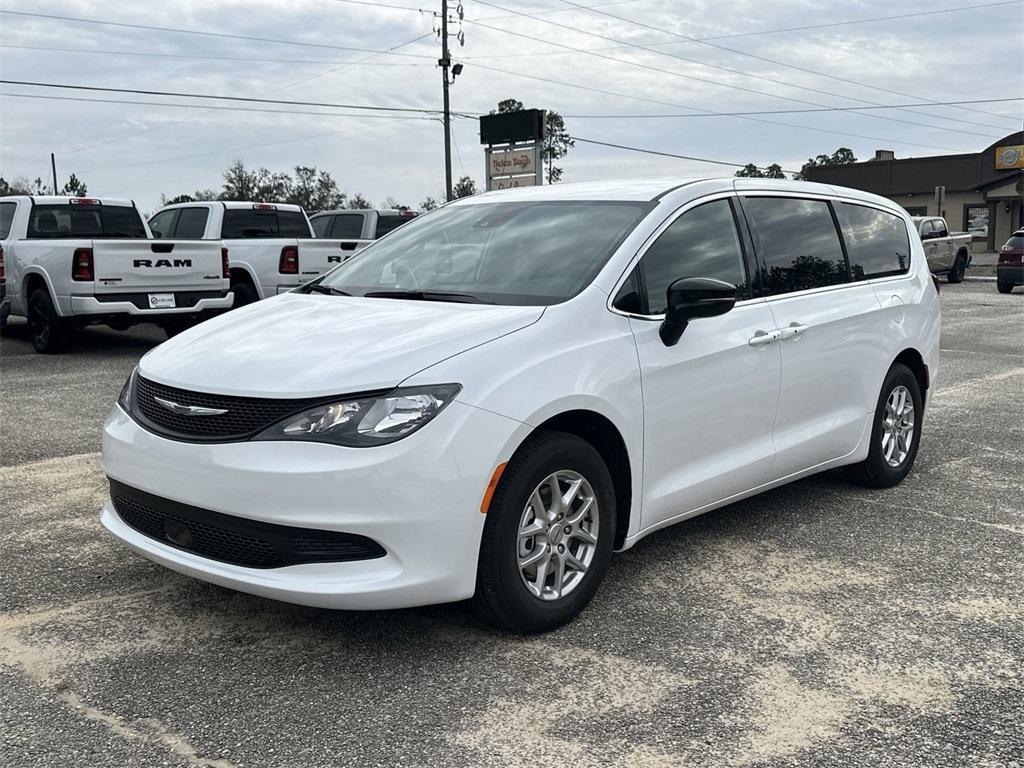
x=306, y=345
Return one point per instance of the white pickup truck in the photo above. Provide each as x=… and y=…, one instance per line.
x=271, y=245
x=358, y=227
x=76, y=261
x=948, y=253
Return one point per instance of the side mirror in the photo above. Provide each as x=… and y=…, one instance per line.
x=690, y=298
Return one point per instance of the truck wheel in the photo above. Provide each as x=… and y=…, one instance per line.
x=1004, y=287
x=244, y=294
x=956, y=272
x=51, y=333
x=548, y=537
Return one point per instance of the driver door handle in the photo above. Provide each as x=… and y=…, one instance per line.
x=761, y=338
x=794, y=329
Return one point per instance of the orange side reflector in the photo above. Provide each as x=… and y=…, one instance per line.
x=489, y=493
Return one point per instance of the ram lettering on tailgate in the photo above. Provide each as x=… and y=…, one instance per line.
x=161, y=263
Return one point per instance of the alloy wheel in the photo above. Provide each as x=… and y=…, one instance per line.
x=897, y=426
x=558, y=534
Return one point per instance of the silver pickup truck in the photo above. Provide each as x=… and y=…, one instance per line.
x=948, y=253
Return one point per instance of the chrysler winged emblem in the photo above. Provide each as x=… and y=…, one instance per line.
x=189, y=410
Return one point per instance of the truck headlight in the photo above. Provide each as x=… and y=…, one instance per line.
x=364, y=422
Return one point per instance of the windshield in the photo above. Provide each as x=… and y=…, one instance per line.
x=526, y=253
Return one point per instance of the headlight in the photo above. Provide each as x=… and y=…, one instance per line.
x=125, y=398
x=363, y=422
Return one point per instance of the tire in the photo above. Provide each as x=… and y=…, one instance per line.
x=244, y=294
x=877, y=470
x=956, y=272
x=502, y=595
x=1004, y=287
x=49, y=331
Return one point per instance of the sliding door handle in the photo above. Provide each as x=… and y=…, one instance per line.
x=791, y=330
x=761, y=338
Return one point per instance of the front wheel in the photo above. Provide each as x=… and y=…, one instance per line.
x=548, y=536
x=1004, y=287
x=896, y=432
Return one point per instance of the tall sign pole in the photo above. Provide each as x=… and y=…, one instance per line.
x=445, y=62
x=53, y=167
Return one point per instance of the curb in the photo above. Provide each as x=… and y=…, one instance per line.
x=979, y=279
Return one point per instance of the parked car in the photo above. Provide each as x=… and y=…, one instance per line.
x=489, y=401
x=272, y=246
x=1010, y=267
x=359, y=227
x=948, y=253
x=6, y=219
x=75, y=261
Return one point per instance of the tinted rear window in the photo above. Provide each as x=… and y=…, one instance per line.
x=386, y=224
x=797, y=243
x=242, y=223
x=6, y=217
x=347, y=226
x=191, y=224
x=50, y=221
x=876, y=241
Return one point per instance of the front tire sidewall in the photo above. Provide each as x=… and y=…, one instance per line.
x=501, y=593
x=956, y=274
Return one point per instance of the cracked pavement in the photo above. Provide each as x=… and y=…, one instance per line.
x=819, y=624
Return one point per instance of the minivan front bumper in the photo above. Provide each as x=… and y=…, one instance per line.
x=418, y=498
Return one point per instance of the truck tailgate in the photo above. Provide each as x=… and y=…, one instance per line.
x=157, y=265
x=317, y=255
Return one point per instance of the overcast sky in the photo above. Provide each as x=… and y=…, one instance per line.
x=141, y=151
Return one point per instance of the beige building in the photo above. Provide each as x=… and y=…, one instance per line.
x=983, y=195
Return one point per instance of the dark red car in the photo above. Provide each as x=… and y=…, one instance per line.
x=1010, y=269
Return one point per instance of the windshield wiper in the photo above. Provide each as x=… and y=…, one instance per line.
x=318, y=288
x=417, y=295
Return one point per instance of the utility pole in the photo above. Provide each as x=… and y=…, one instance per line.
x=53, y=167
x=445, y=62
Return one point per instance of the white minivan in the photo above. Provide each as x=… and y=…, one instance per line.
x=492, y=399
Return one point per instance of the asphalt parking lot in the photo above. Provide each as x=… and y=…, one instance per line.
x=817, y=625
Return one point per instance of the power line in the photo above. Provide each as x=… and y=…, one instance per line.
x=669, y=154
x=248, y=59
x=712, y=66
x=150, y=28
x=801, y=111
x=180, y=94
x=79, y=99
x=859, y=21
x=757, y=57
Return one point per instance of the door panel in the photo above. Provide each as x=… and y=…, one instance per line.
x=831, y=350
x=709, y=409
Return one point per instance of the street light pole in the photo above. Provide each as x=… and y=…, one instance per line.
x=445, y=62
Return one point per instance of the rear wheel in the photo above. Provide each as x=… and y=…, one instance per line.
x=548, y=537
x=51, y=333
x=896, y=432
x=956, y=272
x=244, y=294
x=1004, y=287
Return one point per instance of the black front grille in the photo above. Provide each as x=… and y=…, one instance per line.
x=243, y=416
x=235, y=540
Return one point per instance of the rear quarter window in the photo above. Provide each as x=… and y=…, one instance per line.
x=876, y=241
